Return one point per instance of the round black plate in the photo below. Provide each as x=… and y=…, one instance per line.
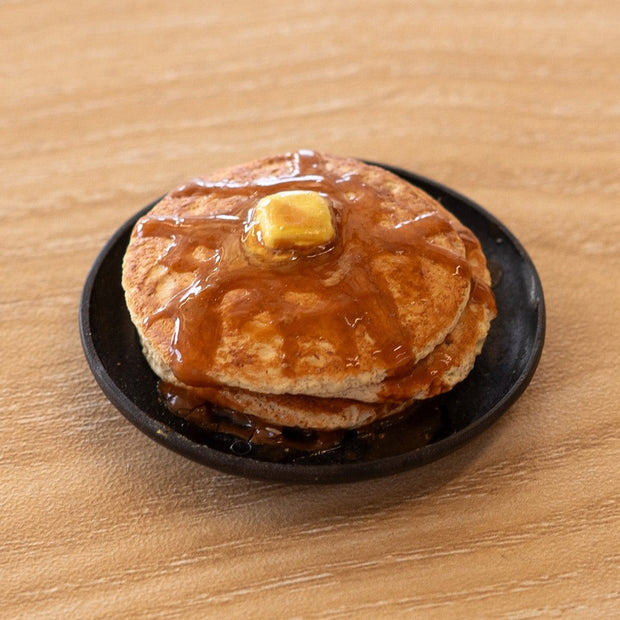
x=502, y=371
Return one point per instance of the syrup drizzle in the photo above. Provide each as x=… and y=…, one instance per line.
x=211, y=246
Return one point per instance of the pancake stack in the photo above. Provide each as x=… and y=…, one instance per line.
x=307, y=290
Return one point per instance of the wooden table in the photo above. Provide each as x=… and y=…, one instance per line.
x=106, y=105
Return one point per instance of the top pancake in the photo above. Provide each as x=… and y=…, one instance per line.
x=337, y=324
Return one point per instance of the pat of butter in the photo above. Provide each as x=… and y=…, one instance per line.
x=293, y=219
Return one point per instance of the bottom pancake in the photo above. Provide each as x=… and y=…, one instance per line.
x=281, y=410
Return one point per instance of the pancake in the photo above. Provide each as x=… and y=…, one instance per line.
x=336, y=324
x=394, y=308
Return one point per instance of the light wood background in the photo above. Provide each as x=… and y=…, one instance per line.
x=106, y=105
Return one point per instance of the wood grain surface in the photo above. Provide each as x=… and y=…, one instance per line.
x=106, y=105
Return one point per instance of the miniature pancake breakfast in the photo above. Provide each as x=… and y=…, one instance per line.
x=307, y=291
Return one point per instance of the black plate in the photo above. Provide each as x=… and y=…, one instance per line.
x=442, y=424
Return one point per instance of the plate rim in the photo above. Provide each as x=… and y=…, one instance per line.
x=311, y=473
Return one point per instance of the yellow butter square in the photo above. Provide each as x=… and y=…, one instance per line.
x=292, y=219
